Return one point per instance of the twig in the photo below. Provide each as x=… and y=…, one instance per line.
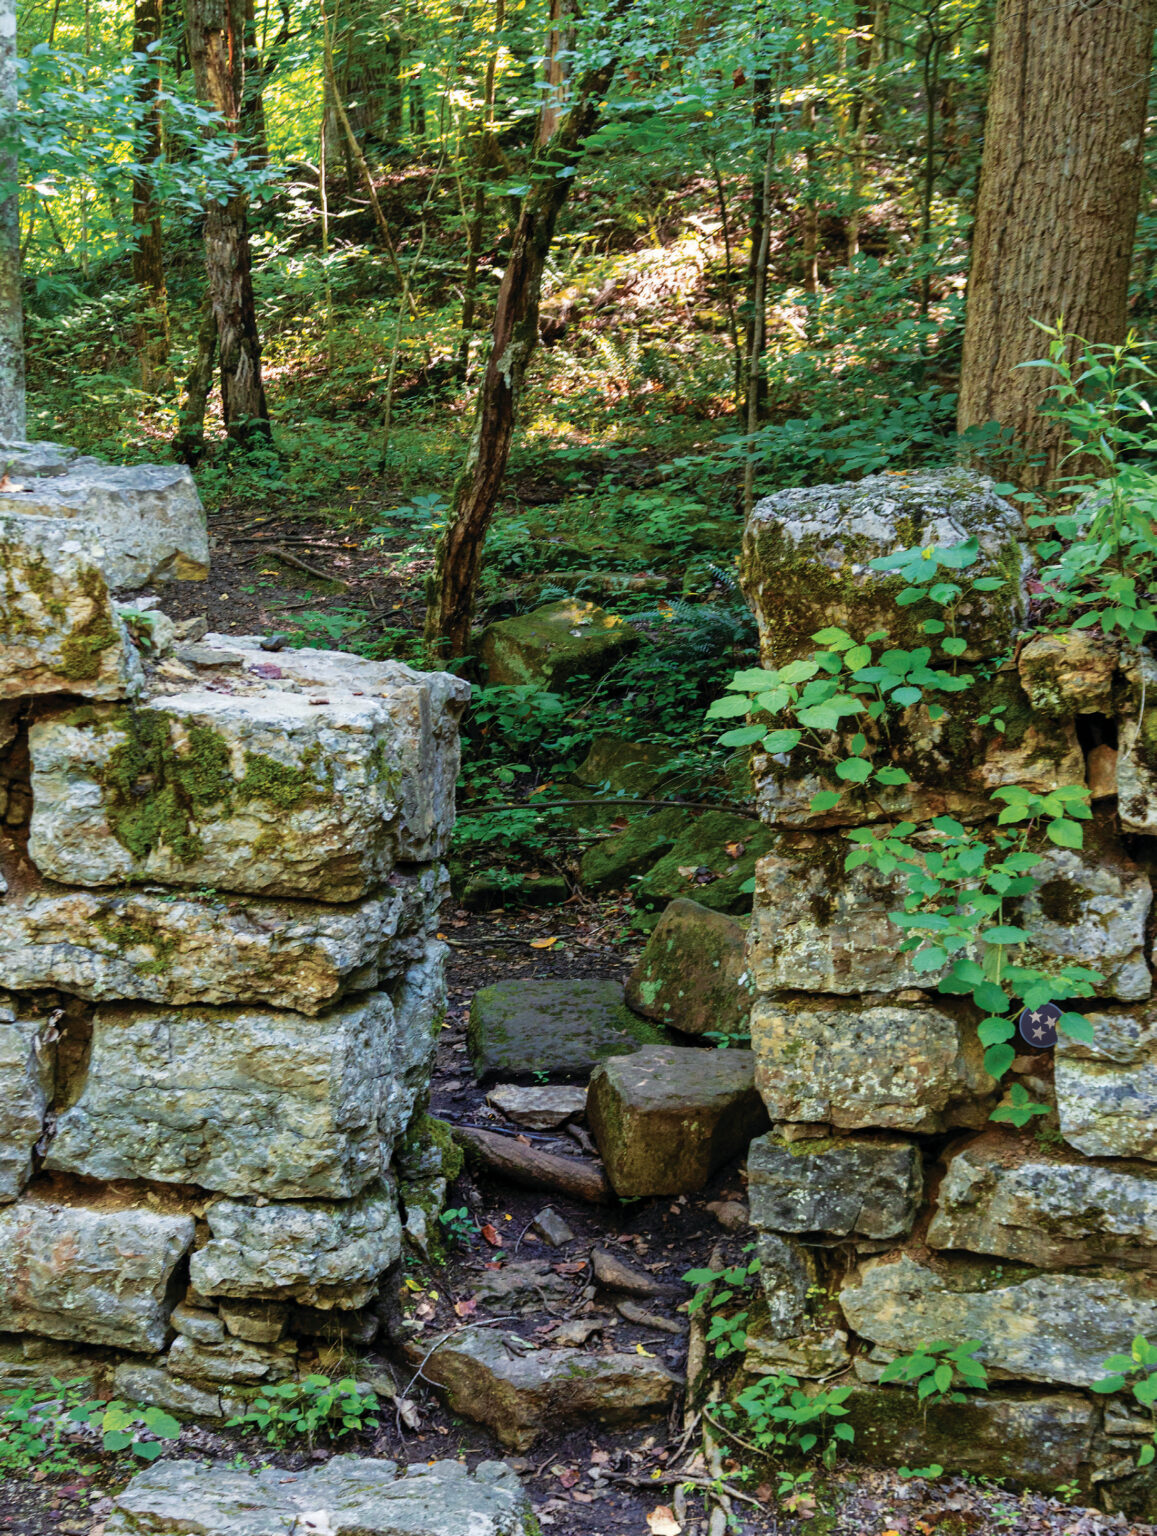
x=682, y=1477
x=310, y=570
x=550, y=805
x=437, y=1344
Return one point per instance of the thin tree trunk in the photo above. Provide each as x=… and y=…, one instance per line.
x=190, y=444
x=1057, y=208
x=217, y=51
x=148, y=252
x=865, y=105
x=513, y=339
x=12, y=415
x=760, y=214
x=559, y=45
x=755, y=352
x=476, y=224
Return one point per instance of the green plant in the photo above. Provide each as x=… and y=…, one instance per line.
x=35, y=1424
x=778, y=1416
x=933, y=1469
x=458, y=1224
x=124, y=1426
x=1137, y=1372
x=725, y=1331
x=308, y=1408
x=938, y=1371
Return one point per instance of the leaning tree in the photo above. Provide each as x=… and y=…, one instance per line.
x=11, y=310
x=1057, y=207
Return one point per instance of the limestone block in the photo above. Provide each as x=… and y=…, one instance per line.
x=279, y=791
x=204, y=948
x=1107, y=1091
x=148, y=518
x=101, y=1273
x=908, y=1067
x=564, y=1028
x=28, y=461
x=257, y=1322
x=1005, y=1196
x=666, y=1117
x=354, y=1496
x=498, y=1379
x=817, y=928
x=817, y=1352
x=322, y=1253
x=59, y=632
x=1039, y=1441
x=954, y=764
x=156, y=1388
x=232, y=1361
x=806, y=553
x=567, y=639
x=1069, y=673
x=837, y=1187
x=788, y=1275
x=247, y=1101
x=692, y=975
x=1053, y=1327
x=27, y=1063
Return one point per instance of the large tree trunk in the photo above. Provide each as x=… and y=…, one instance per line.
x=513, y=340
x=216, y=31
x=12, y=422
x=1057, y=207
x=148, y=252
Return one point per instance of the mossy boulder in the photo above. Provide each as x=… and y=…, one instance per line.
x=547, y=648
x=521, y=1029
x=807, y=552
x=624, y=767
x=667, y=1117
x=711, y=861
x=609, y=864
x=692, y=975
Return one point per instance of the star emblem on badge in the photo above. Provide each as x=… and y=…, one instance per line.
x=1038, y=1026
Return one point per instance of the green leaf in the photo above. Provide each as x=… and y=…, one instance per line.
x=990, y=997
x=942, y=1376
x=854, y=770
x=892, y=775
x=147, y=1450
x=954, y=647
x=727, y=708
x=799, y=671
x=826, y=800
x=1065, y=833
x=781, y=741
x=987, y=584
x=116, y=1440
x=859, y=656
x=836, y=639
x=1077, y=1027
x=743, y=737
x=906, y=695
x=994, y=1031
x=998, y=1059
x=1004, y=933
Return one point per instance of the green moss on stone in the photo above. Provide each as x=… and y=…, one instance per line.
x=82, y=648
x=126, y=935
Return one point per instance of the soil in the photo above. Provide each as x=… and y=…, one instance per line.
x=586, y=1480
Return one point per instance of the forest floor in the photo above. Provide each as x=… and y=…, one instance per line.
x=585, y=1481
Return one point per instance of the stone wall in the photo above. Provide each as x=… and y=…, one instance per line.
x=219, y=985
x=890, y=1210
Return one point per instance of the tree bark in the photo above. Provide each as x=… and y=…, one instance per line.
x=578, y=1177
x=12, y=416
x=513, y=338
x=148, y=252
x=216, y=30
x=1057, y=207
x=190, y=442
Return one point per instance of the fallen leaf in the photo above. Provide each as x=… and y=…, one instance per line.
x=466, y=1308
x=688, y=871
x=569, y=1477
x=544, y=943
x=571, y=1267
x=409, y=1413
x=661, y=1521
x=491, y=1235
x=600, y=1458
x=582, y=1498
x=639, y=1350
x=735, y=850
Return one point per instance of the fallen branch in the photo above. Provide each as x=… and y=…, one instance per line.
x=669, y=1478
x=578, y=1177
x=310, y=570
x=553, y=805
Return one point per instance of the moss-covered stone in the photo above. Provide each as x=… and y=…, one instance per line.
x=711, y=861
x=548, y=647
x=692, y=975
x=560, y=1029
x=609, y=864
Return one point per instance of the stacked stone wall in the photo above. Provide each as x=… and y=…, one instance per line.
x=219, y=985
x=890, y=1210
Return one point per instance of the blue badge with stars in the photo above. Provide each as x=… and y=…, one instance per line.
x=1038, y=1026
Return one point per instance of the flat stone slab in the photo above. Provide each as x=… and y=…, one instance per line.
x=321, y=1253
x=1056, y=1327
x=904, y=1067
x=693, y=976
x=539, y=1108
x=250, y=1102
x=667, y=1117
x=1107, y=1090
x=1050, y=1208
x=100, y=1273
x=498, y=1379
x=357, y=1497
x=310, y=776
x=163, y=947
x=59, y=630
x=147, y=518
x=834, y=1186
x=562, y=640
x=562, y=1028
x=27, y=1063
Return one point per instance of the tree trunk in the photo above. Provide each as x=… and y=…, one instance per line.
x=485, y=155
x=190, y=442
x=12, y=419
x=558, y=49
x=1057, y=206
x=513, y=339
x=217, y=51
x=148, y=252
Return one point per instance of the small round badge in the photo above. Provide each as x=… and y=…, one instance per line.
x=1038, y=1026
